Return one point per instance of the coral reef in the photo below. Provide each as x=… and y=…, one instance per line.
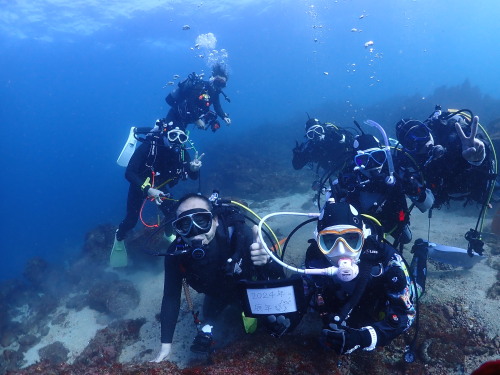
x=444, y=343
x=54, y=353
x=105, y=348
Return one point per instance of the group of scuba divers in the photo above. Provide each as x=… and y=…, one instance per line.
x=354, y=276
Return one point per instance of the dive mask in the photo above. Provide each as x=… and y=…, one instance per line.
x=416, y=136
x=177, y=135
x=315, y=131
x=193, y=222
x=352, y=239
x=370, y=158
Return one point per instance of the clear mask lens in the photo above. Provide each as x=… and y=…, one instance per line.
x=177, y=135
x=201, y=220
x=351, y=238
x=371, y=159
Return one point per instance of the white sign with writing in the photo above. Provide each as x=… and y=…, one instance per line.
x=272, y=300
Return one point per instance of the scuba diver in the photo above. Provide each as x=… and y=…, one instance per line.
x=327, y=145
x=214, y=249
x=361, y=287
x=371, y=278
x=160, y=161
x=455, y=160
x=369, y=185
x=190, y=102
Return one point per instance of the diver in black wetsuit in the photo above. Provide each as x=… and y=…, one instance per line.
x=366, y=184
x=327, y=145
x=214, y=250
x=161, y=160
x=372, y=281
x=190, y=102
x=453, y=158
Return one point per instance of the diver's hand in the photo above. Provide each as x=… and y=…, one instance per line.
x=258, y=255
x=195, y=165
x=346, y=340
x=200, y=124
x=227, y=120
x=164, y=352
x=472, y=148
x=156, y=194
x=299, y=148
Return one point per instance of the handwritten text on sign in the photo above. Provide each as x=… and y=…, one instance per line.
x=272, y=300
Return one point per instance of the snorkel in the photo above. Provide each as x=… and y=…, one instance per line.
x=390, y=180
x=330, y=271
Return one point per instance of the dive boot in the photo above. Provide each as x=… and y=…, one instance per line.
x=118, y=257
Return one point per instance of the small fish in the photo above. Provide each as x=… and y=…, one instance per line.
x=325, y=73
x=369, y=43
x=176, y=76
x=354, y=30
x=186, y=27
x=170, y=83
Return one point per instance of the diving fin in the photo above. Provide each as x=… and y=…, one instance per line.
x=250, y=324
x=454, y=256
x=128, y=149
x=170, y=238
x=118, y=257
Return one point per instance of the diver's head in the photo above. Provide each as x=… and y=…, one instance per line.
x=314, y=130
x=194, y=220
x=370, y=157
x=340, y=234
x=219, y=76
x=414, y=136
x=173, y=135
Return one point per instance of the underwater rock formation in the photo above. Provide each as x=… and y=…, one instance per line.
x=98, y=243
x=54, y=353
x=116, y=298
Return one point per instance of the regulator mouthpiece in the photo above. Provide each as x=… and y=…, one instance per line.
x=348, y=270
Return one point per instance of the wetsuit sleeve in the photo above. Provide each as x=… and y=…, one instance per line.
x=136, y=165
x=217, y=106
x=301, y=156
x=171, y=298
x=400, y=310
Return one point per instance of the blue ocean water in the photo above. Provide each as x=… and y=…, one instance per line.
x=75, y=76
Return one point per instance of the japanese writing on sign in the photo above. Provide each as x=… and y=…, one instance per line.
x=272, y=300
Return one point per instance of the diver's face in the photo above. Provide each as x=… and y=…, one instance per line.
x=219, y=82
x=424, y=149
x=198, y=204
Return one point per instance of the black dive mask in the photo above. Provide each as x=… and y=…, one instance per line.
x=193, y=222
